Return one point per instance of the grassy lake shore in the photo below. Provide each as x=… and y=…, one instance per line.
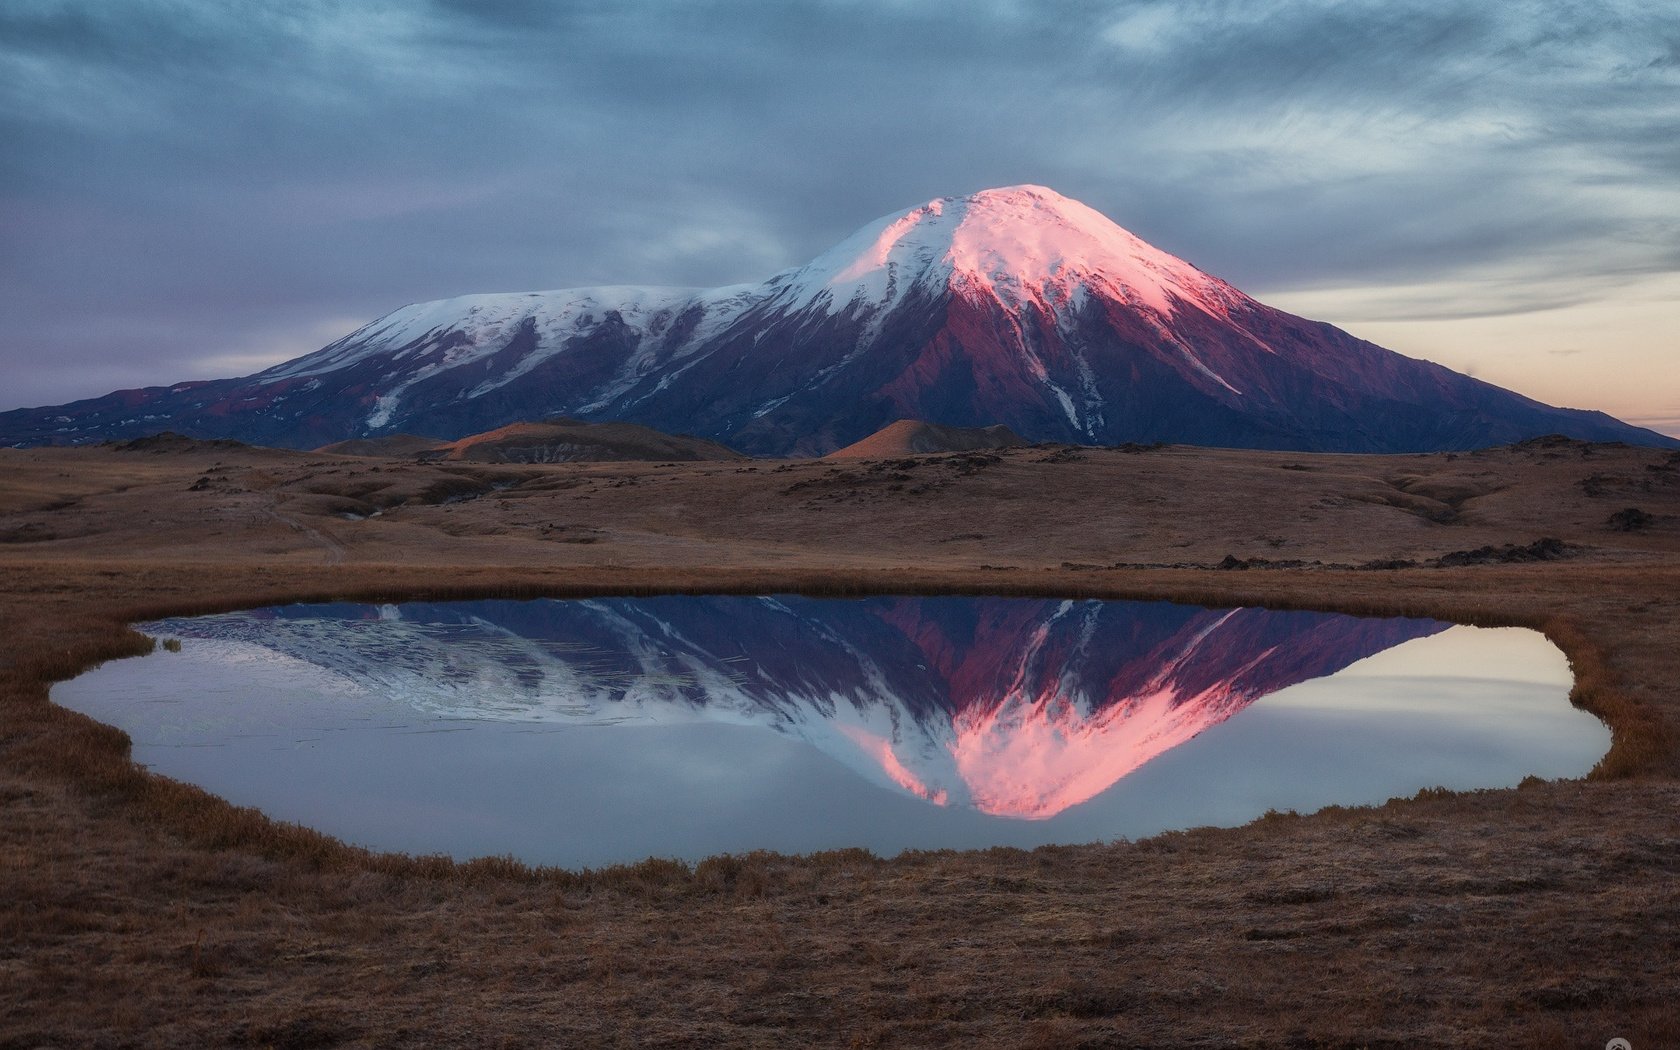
x=135, y=910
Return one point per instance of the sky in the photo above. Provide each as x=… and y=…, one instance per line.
x=192, y=189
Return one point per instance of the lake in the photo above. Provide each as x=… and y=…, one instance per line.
x=595, y=731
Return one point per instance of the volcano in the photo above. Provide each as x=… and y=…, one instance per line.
x=1016, y=307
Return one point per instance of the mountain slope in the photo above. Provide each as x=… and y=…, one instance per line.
x=1013, y=306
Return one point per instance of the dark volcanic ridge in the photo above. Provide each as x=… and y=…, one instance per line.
x=390, y=446
x=1015, y=307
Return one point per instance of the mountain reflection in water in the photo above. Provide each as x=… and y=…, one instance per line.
x=1014, y=707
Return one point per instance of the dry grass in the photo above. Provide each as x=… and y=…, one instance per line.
x=139, y=911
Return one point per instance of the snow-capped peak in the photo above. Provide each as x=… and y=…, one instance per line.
x=1027, y=248
x=1021, y=244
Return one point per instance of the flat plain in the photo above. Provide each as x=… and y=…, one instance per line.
x=137, y=911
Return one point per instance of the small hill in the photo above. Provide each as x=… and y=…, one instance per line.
x=167, y=441
x=910, y=436
x=571, y=441
x=395, y=446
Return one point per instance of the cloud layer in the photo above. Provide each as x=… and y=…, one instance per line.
x=195, y=188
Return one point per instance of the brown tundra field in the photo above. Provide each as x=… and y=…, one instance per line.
x=139, y=911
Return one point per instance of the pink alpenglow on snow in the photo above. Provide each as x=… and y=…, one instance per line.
x=1019, y=244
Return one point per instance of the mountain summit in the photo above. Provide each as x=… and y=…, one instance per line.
x=1024, y=246
x=1013, y=306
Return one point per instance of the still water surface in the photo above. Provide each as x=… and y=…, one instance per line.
x=589, y=732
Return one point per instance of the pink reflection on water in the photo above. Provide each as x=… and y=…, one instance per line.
x=881, y=749
x=1041, y=721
